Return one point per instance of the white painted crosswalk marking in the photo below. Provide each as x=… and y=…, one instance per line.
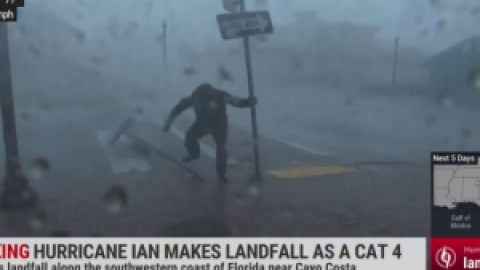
x=304, y=148
x=122, y=155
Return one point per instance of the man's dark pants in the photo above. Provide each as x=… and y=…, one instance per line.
x=219, y=130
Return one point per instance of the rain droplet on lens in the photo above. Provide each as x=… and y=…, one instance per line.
x=263, y=38
x=34, y=50
x=295, y=63
x=254, y=189
x=424, y=32
x=466, y=48
x=224, y=75
x=476, y=11
x=98, y=60
x=445, y=101
x=441, y=24
x=39, y=167
x=115, y=199
x=430, y=120
x=80, y=36
x=189, y=70
x=466, y=133
x=139, y=110
x=25, y=116
x=462, y=7
x=474, y=77
x=237, y=199
x=38, y=219
x=261, y=3
x=22, y=28
x=349, y=101
x=437, y=3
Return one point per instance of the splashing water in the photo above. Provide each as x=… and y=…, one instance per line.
x=39, y=167
x=115, y=199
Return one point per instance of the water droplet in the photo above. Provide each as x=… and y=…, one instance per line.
x=237, y=199
x=349, y=101
x=34, y=50
x=476, y=11
x=466, y=133
x=262, y=38
x=441, y=24
x=189, y=70
x=424, y=32
x=430, y=120
x=80, y=36
x=254, y=189
x=38, y=219
x=295, y=63
x=115, y=199
x=261, y=3
x=474, y=77
x=39, y=167
x=25, y=116
x=462, y=7
x=224, y=75
x=445, y=101
x=98, y=60
x=139, y=110
x=437, y=3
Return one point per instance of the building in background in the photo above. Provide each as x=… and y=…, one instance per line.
x=449, y=69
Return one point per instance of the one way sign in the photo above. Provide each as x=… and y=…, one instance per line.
x=236, y=25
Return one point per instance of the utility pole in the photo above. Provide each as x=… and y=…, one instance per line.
x=394, y=71
x=16, y=192
x=164, y=41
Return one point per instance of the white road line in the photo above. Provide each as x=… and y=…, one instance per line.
x=122, y=156
x=205, y=148
x=304, y=148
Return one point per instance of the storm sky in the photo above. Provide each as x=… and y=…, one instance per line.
x=430, y=25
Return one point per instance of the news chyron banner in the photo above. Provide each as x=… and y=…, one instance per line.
x=9, y=10
x=213, y=253
x=455, y=227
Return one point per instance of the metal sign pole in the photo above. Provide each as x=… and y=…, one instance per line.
x=251, y=91
x=16, y=191
x=165, y=69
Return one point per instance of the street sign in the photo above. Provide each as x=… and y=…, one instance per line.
x=231, y=5
x=244, y=24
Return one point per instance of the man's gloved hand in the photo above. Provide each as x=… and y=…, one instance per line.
x=253, y=101
x=166, y=128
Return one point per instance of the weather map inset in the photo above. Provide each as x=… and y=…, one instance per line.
x=456, y=194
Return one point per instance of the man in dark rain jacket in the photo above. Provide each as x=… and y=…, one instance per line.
x=210, y=106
